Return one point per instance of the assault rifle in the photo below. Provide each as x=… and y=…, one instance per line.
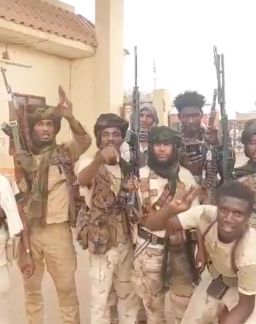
x=12, y=113
x=227, y=153
x=213, y=112
x=132, y=138
x=18, y=146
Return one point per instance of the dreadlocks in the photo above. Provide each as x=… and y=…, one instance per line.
x=189, y=99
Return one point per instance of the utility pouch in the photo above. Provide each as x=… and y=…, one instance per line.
x=11, y=248
x=217, y=288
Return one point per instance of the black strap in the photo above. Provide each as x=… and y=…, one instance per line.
x=152, y=238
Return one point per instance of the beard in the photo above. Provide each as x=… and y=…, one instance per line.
x=39, y=145
x=162, y=168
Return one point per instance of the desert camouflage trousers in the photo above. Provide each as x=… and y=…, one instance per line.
x=204, y=309
x=113, y=269
x=147, y=282
x=180, y=296
x=141, y=316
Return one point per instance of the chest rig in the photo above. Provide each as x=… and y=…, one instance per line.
x=164, y=199
x=206, y=158
x=104, y=224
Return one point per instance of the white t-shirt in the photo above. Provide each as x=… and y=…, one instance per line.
x=9, y=206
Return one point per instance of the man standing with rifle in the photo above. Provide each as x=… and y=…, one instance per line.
x=143, y=118
x=44, y=174
x=162, y=260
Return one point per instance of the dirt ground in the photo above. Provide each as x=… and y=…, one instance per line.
x=17, y=313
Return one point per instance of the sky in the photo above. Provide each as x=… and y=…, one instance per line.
x=179, y=36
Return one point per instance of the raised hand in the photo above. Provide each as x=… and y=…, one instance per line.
x=64, y=106
x=109, y=155
x=185, y=201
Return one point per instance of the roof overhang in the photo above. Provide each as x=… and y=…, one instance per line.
x=12, y=33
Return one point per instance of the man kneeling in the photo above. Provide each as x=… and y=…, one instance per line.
x=228, y=294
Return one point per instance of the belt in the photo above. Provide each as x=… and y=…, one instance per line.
x=151, y=238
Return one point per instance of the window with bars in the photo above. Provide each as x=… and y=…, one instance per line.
x=29, y=101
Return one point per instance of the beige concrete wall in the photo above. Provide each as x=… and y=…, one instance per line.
x=162, y=103
x=109, y=55
x=83, y=93
x=94, y=84
x=47, y=72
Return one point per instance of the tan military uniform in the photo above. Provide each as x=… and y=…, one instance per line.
x=52, y=245
x=148, y=258
x=203, y=309
x=113, y=268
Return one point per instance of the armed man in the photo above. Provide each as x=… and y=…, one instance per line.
x=228, y=294
x=104, y=228
x=159, y=254
x=148, y=119
x=51, y=198
x=195, y=148
x=201, y=150
x=247, y=172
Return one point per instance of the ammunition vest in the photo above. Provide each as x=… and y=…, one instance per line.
x=178, y=260
x=103, y=225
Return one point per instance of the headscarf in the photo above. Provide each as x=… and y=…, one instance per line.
x=169, y=170
x=249, y=131
x=160, y=134
x=107, y=121
x=39, y=197
x=41, y=113
x=148, y=106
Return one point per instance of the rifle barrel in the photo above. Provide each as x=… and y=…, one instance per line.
x=136, y=66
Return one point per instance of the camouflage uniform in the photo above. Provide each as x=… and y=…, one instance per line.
x=149, y=253
x=125, y=152
x=112, y=266
x=203, y=309
x=106, y=233
x=49, y=219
